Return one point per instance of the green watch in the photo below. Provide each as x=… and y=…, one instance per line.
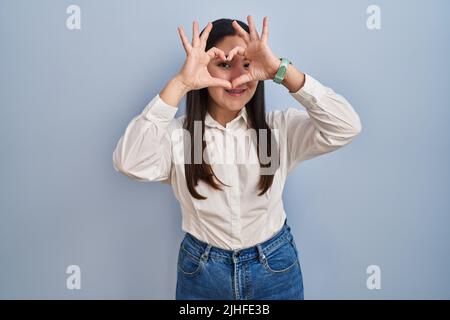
x=282, y=70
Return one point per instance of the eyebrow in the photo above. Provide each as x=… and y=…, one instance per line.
x=220, y=59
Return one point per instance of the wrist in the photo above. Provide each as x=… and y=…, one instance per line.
x=181, y=84
x=294, y=79
x=274, y=65
x=173, y=92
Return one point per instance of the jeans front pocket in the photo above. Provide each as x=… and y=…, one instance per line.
x=282, y=259
x=188, y=263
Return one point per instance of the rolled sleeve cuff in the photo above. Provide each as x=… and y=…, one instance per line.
x=157, y=109
x=312, y=90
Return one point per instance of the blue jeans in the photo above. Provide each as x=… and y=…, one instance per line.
x=269, y=270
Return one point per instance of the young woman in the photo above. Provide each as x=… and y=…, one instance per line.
x=238, y=244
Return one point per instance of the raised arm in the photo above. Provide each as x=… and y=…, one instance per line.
x=329, y=122
x=144, y=152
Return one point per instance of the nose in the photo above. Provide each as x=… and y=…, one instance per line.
x=237, y=71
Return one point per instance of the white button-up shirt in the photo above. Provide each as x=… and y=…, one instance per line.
x=236, y=217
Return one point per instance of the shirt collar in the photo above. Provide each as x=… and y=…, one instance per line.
x=209, y=120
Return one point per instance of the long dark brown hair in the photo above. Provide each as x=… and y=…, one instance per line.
x=196, y=108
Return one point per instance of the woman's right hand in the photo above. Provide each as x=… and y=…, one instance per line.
x=194, y=74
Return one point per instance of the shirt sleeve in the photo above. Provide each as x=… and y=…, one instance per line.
x=329, y=122
x=143, y=152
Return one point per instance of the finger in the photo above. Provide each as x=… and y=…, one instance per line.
x=236, y=50
x=216, y=53
x=241, y=80
x=251, y=25
x=217, y=82
x=205, y=35
x=241, y=32
x=184, y=40
x=265, y=30
x=195, y=37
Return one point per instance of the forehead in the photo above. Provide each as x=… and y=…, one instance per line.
x=229, y=42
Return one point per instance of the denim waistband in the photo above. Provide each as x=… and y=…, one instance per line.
x=203, y=250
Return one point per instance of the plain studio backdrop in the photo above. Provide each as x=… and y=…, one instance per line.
x=67, y=95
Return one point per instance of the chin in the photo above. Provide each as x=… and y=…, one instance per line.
x=235, y=103
x=233, y=106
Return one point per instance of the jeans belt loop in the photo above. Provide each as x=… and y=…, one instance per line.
x=206, y=253
x=262, y=256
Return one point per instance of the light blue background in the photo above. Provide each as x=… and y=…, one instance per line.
x=67, y=96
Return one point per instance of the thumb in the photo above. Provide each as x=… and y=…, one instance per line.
x=240, y=80
x=217, y=82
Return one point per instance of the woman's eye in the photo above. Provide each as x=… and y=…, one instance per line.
x=223, y=63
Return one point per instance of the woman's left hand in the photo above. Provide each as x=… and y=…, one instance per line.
x=263, y=62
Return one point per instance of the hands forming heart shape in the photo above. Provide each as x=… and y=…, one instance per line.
x=263, y=62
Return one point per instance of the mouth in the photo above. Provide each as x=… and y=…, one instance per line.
x=235, y=92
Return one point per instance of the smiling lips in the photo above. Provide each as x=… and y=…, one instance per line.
x=235, y=92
